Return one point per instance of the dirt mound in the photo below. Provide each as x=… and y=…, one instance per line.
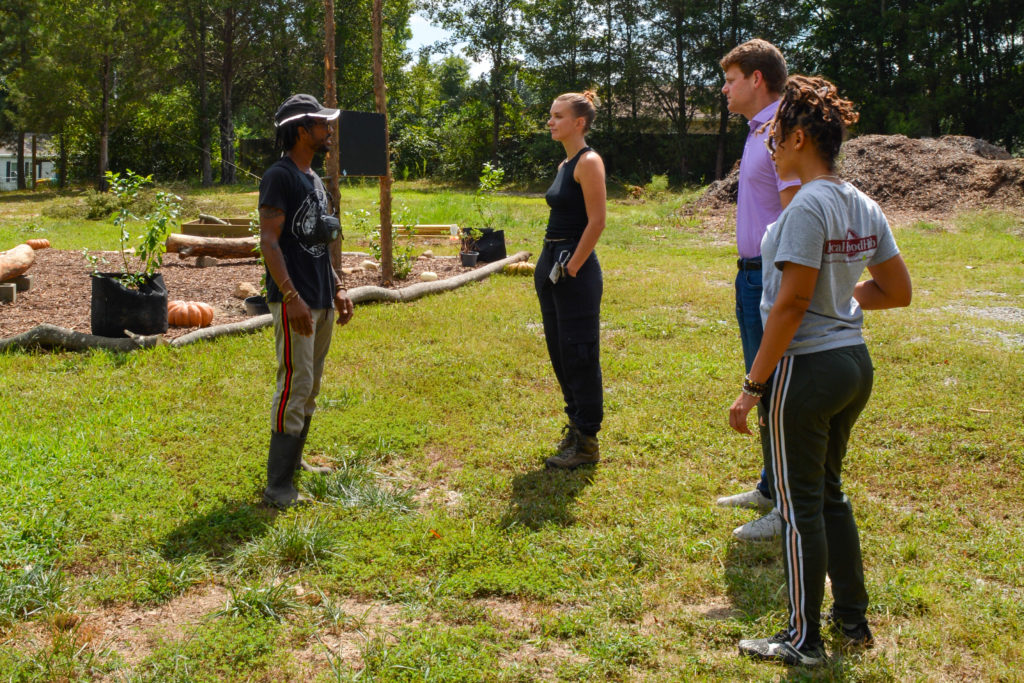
x=934, y=175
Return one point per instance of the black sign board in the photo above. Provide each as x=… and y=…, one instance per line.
x=363, y=151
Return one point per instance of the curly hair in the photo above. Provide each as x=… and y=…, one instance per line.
x=583, y=105
x=814, y=104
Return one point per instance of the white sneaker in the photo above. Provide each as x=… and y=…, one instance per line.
x=764, y=529
x=749, y=499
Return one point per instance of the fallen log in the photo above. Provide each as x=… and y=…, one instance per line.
x=53, y=337
x=221, y=247
x=16, y=261
x=207, y=218
x=371, y=293
x=48, y=336
x=359, y=295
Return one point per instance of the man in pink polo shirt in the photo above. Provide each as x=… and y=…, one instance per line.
x=755, y=73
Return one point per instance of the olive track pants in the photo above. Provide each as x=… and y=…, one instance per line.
x=300, y=365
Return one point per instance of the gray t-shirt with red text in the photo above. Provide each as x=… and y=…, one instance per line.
x=840, y=231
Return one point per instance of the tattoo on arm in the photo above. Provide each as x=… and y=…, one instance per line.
x=803, y=298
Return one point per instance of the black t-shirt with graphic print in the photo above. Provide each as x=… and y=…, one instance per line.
x=302, y=199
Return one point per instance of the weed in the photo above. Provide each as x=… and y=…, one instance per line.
x=30, y=592
x=261, y=602
x=296, y=542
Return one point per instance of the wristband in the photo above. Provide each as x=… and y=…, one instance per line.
x=752, y=388
x=289, y=295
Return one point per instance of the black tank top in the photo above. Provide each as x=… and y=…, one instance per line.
x=568, y=216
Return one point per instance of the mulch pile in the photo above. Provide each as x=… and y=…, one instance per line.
x=62, y=289
x=932, y=176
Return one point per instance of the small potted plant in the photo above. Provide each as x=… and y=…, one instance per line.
x=134, y=299
x=257, y=304
x=468, y=238
x=478, y=240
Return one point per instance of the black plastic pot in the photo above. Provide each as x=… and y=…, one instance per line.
x=116, y=308
x=469, y=258
x=256, y=305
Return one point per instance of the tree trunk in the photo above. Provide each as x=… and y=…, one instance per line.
x=387, y=267
x=105, y=88
x=35, y=174
x=227, y=125
x=205, y=134
x=21, y=160
x=332, y=162
x=221, y=247
x=62, y=172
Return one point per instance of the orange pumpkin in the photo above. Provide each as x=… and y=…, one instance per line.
x=189, y=313
x=38, y=243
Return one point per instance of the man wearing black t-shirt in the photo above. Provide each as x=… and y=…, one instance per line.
x=303, y=290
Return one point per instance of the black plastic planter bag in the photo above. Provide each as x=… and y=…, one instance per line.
x=491, y=245
x=116, y=308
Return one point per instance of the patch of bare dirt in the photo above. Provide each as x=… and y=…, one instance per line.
x=62, y=289
x=929, y=177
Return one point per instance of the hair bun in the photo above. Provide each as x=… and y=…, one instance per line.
x=591, y=96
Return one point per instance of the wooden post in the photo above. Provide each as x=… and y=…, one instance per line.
x=331, y=162
x=379, y=94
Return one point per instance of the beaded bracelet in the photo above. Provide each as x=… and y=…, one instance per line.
x=752, y=388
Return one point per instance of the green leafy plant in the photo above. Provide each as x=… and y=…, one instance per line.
x=491, y=177
x=254, y=230
x=161, y=219
x=402, y=257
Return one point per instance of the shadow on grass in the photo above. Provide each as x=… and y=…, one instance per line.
x=545, y=496
x=217, y=533
x=754, y=578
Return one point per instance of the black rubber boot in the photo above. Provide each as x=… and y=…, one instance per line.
x=305, y=465
x=283, y=458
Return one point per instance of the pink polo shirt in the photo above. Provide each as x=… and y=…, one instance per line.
x=757, y=203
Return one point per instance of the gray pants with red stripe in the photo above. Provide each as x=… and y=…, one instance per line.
x=811, y=407
x=300, y=365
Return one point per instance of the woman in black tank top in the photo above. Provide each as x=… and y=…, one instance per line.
x=568, y=279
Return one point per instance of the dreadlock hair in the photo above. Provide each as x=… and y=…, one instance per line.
x=288, y=134
x=812, y=103
x=583, y=106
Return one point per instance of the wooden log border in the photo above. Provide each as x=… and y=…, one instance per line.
x=53, y=337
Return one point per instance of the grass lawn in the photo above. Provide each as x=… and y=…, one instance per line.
x=134, y=548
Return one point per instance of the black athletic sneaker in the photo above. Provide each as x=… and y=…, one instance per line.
x=780, y=649
x=850, y=636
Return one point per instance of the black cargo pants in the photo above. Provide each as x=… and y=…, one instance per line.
x=571, y=311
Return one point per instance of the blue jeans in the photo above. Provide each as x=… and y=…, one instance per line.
x=748, y=315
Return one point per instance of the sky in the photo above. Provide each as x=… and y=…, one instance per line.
x=425, y=33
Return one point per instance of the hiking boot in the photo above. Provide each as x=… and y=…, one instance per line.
x=762, y=529
x=584, y=452
x=749, y=499
x=283, y=458
x=850, y=636
x=779, y=648
x=570, y=437
x=306, y=467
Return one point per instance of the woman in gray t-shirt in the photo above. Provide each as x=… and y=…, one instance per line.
x=812, y=375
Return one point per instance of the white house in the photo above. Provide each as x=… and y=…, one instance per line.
x=45, y=162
